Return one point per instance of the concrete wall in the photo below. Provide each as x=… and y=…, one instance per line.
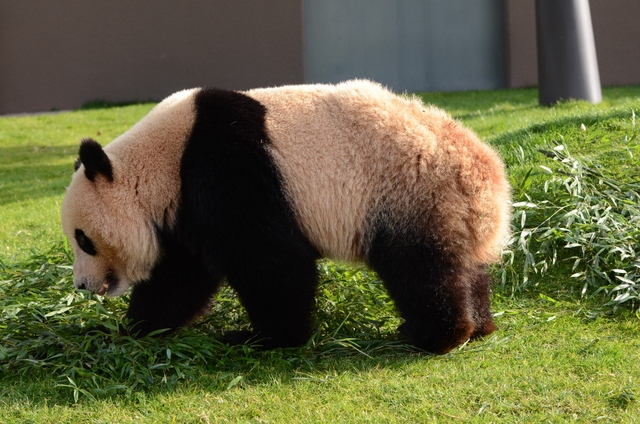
x=616, y=32
x=60, y=54
x=520, y=33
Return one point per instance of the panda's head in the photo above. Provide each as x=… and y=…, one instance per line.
x=113, y=241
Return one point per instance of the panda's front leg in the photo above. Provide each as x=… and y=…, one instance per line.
x=178, y=291
x=279, y=296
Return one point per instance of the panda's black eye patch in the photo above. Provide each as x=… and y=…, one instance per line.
x=85, y=243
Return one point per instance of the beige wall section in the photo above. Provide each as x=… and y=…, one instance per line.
x=520, y=32
x=61, y=54
x=616, y=31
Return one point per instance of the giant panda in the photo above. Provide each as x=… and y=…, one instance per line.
x=253, y=187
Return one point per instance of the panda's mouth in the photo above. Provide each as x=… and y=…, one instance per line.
x=110, y=283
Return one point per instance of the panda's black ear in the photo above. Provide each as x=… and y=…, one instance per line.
x=94, y=159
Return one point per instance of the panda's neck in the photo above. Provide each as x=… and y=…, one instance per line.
x=147, y=157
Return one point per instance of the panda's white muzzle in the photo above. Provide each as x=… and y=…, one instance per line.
x=108, y=284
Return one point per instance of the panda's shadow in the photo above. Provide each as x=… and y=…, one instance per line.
x=205, y=350
x=316, y=361
x=159, y=363
x=344, y=341
x=323, y=358
x=330, y=360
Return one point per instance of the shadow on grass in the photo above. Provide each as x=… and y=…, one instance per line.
x=521, y=99
x=48, y=355
x=27, y=172
x=127, y=367
x=510, y=138
x=104, y=104
x=58, y=362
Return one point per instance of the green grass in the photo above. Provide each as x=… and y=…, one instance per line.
x=559, y=356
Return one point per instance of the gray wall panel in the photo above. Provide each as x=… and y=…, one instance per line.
x=406, y=44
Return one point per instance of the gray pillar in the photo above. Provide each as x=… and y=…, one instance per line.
x=567, y=63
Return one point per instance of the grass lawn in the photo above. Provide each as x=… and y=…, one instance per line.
x=559, y=356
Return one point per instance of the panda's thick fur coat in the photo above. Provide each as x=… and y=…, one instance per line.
x=253, y=187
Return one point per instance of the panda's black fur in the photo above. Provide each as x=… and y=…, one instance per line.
x=234, y=221
x=253, y=241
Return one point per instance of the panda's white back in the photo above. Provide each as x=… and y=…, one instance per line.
x=346, y=149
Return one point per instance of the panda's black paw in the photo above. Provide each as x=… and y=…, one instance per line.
x=237, y=337
x=260, y=340
x=439, y=339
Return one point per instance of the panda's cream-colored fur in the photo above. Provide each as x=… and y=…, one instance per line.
x=348, y=149
x=254, y=187
x=343, y=151
x=119, y=216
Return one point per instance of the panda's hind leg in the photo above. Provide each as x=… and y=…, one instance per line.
x=480, y=291
x=433, y=295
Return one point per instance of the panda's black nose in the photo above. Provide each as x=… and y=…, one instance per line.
x=82, y=286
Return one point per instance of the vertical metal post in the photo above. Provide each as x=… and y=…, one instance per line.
x=567, y=62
